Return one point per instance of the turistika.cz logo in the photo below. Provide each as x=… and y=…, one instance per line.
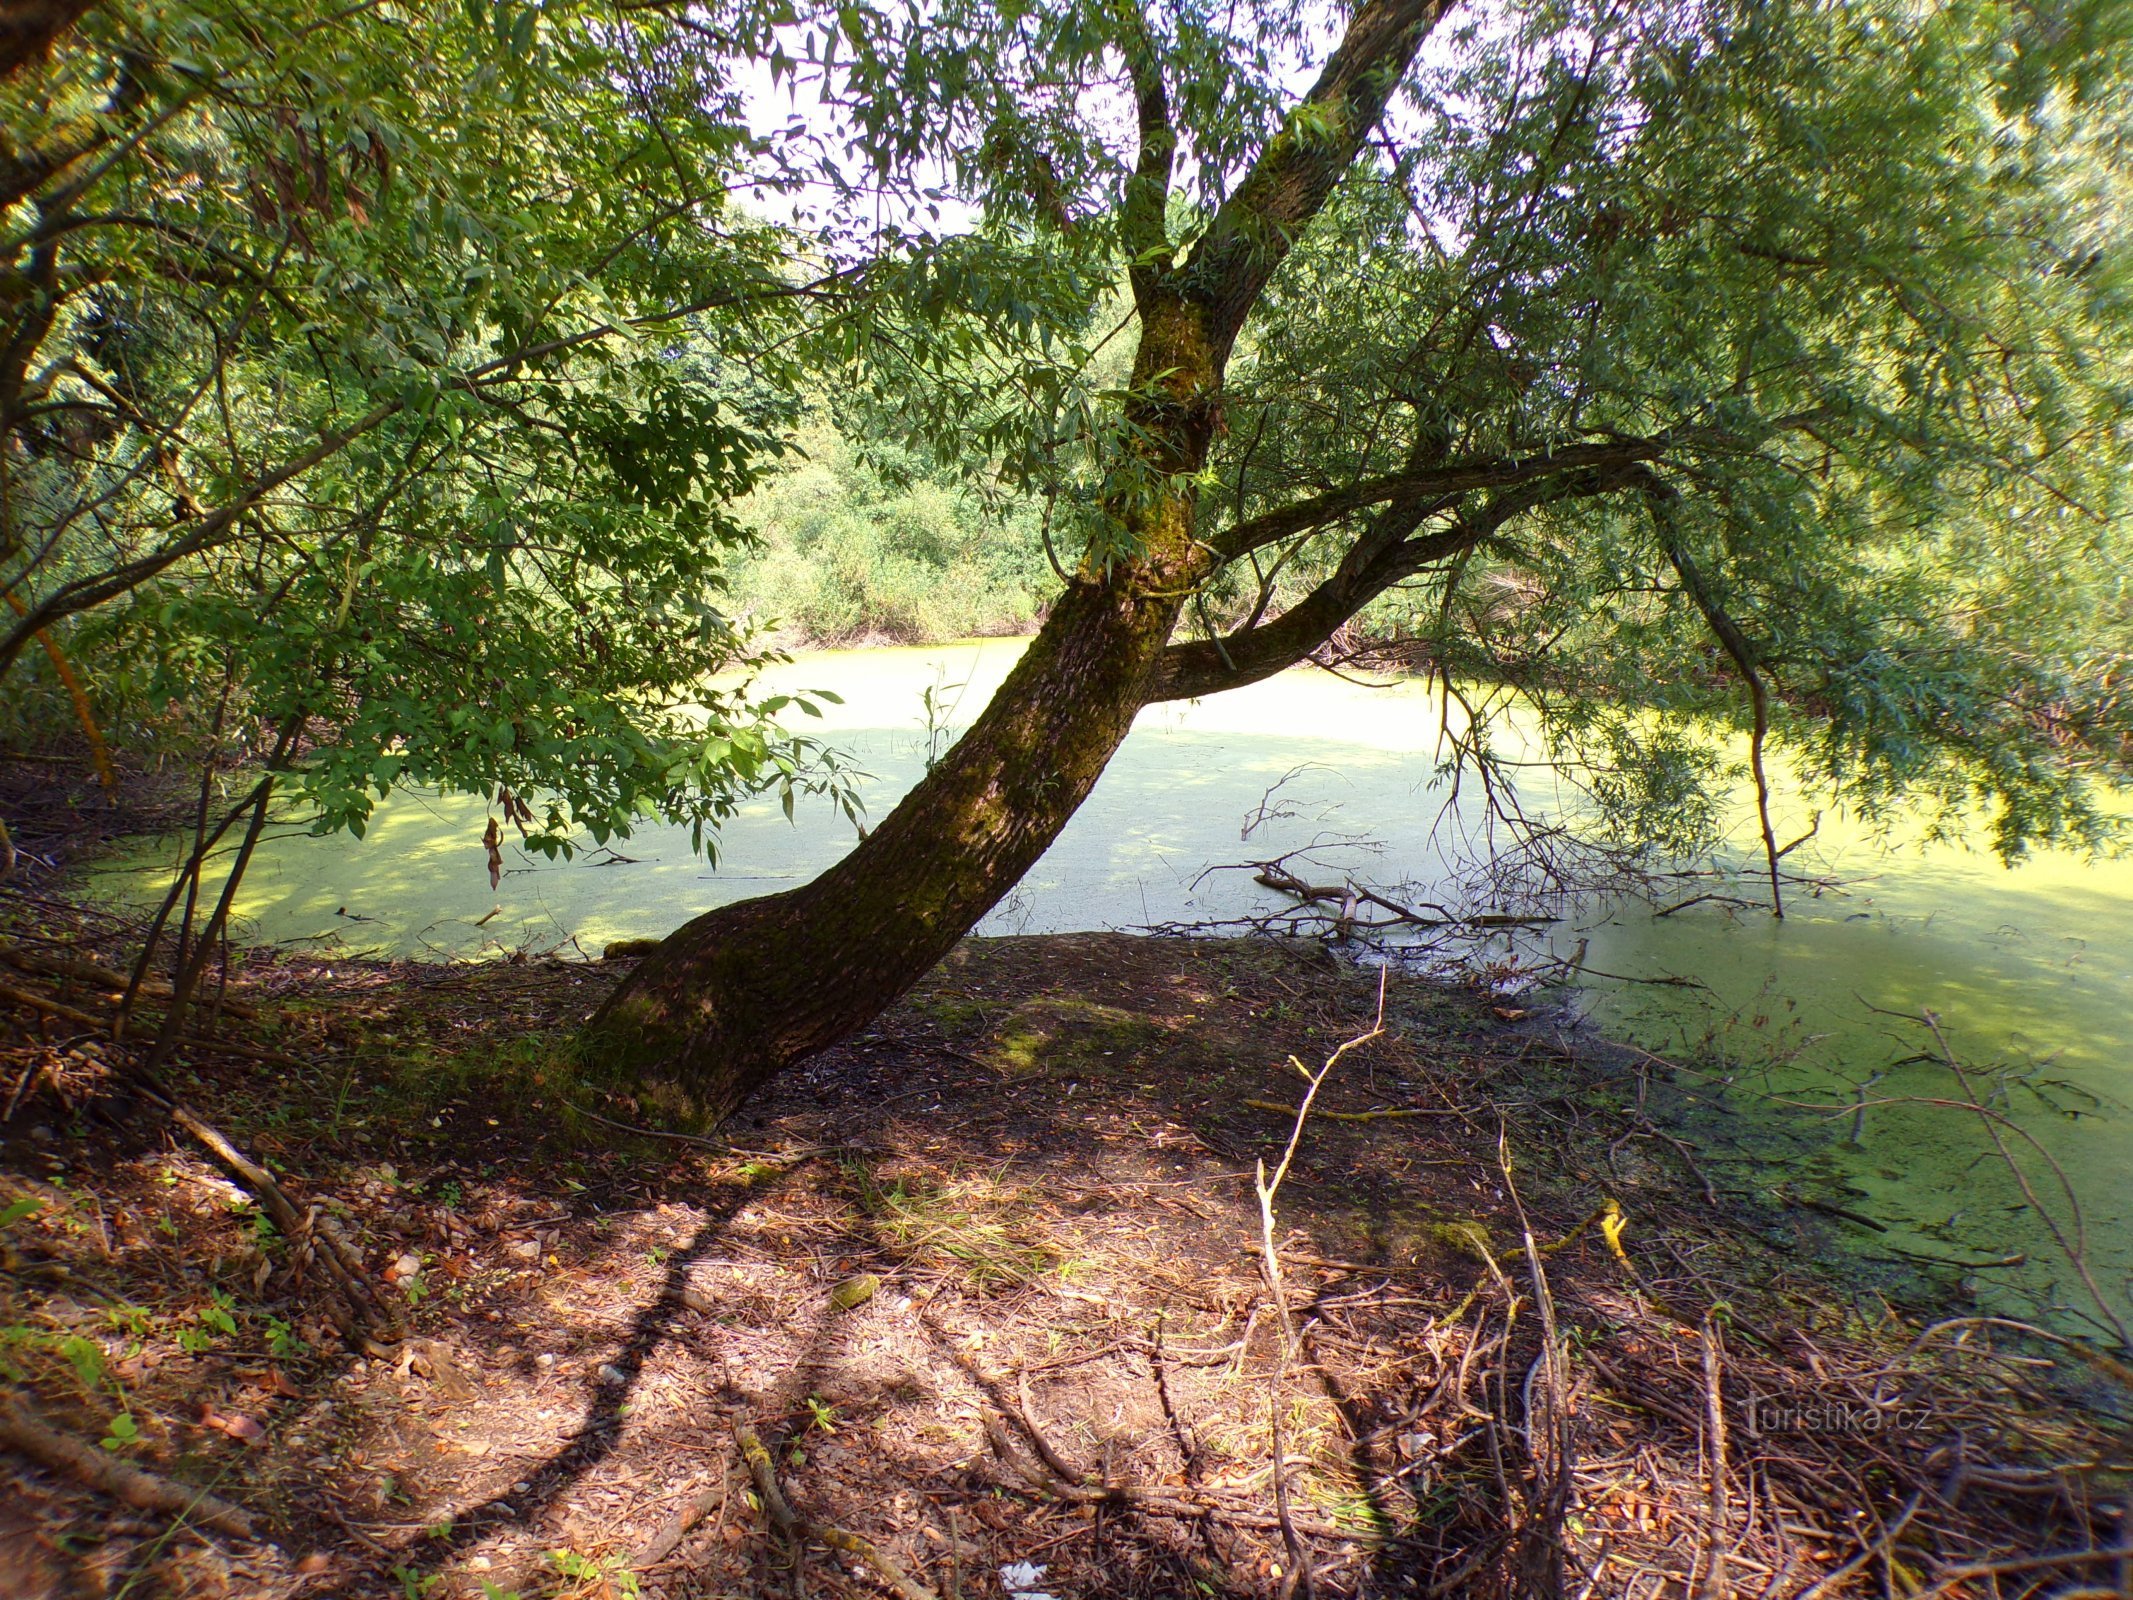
x=1834, y=1416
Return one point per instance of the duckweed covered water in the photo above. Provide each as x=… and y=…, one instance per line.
x=2029, y=971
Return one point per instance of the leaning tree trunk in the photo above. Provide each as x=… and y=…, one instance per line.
x=739, y=994
x=734, y=997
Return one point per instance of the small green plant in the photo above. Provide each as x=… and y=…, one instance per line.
x=610, y=1571
x=821, y=1414
x=283, y=1341
x=213, y=1321
x=86, y=1357
x=939, y=708
x=91, y=1368
x=126, y=1318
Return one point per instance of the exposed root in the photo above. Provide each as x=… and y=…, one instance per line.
x=800, y=1531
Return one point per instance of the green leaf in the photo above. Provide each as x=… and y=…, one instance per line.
x=15, y=1210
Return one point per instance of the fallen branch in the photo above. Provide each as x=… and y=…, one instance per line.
x=799, y=1529
x=1349, y=896
x=1280, y=1110
x=668, y=1539
x=51, y=1008
x=1267, y=1187
x=101, y=978
x=1714, y=1585
x=1185, y=1503
x=103, y=1471
x=343, y=1265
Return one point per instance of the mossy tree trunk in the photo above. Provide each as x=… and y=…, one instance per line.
x=735, y=996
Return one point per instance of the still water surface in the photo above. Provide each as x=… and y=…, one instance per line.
x=2030, y=970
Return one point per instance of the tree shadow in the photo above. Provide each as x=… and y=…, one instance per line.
x=598, y=1434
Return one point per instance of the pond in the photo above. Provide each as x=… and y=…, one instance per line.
x=2029, y=971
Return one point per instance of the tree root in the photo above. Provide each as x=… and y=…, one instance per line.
x=799, y=1529
x=121, y=1480
x=1131, y=1496
x=311, y=1230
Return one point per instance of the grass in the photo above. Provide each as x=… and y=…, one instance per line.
x=974, y=1227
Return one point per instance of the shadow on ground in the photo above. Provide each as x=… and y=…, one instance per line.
x=986, y=1284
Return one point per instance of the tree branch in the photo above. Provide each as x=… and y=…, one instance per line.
x=1318, y=142
x=1387, y=554
x=1434, y=483
x=208, y=528
x=1663, y=499
x=1143, y=221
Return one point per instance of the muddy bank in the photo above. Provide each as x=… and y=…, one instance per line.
x=980, y=1288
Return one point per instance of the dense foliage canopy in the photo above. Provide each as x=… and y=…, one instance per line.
x=1758, y=363
x=385, y=380
x=378, y=380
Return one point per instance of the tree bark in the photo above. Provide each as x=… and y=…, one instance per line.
x=28, y=29
x=732, y=998
x=741, y=993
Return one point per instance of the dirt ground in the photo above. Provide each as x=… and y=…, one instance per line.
x=974, y=1305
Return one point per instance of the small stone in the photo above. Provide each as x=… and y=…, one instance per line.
x=610, y=1374
x=523, y=1250
x=545, y=1360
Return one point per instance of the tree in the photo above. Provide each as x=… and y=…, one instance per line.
x=1770, y=347
x=375, y=385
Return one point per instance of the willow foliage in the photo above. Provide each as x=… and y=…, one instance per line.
x=375, y=383
x=1749, y=361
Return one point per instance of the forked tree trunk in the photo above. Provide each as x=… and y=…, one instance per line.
x=743, y=992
